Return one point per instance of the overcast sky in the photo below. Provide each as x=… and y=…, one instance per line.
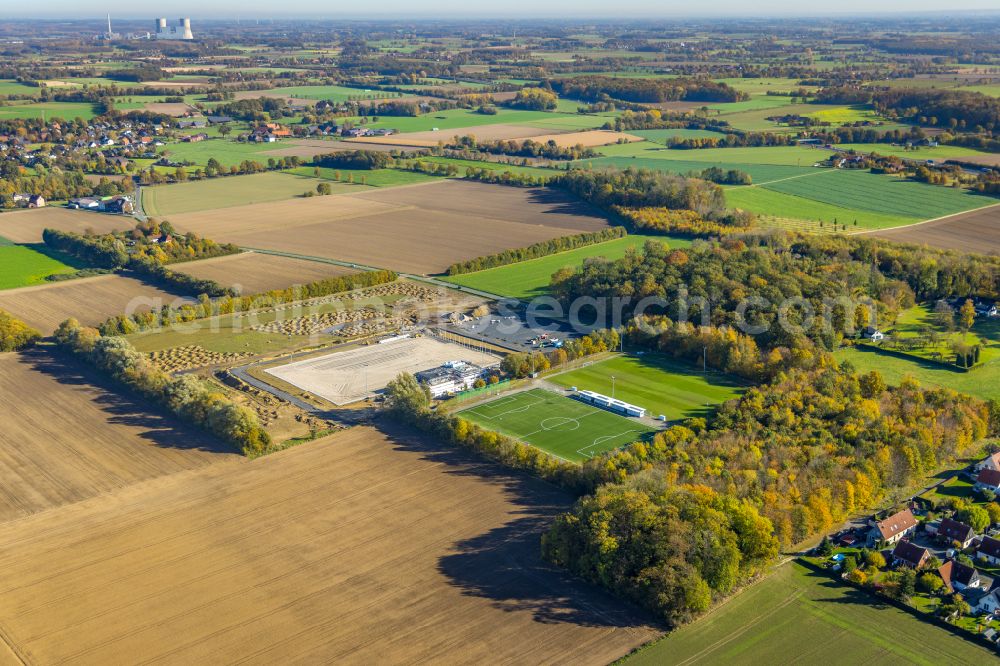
x=622, y=9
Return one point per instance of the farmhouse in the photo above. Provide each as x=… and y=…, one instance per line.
x=988, y=479
x=893, y=528
x=910, y=555
x=952, y=531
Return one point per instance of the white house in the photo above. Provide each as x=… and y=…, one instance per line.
x=989, y=462
x=893, y=528
x=988, y=479
x=989, y=550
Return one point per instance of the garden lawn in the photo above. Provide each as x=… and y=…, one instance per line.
x=798, y=616
x=527, y=279
x=657, y=382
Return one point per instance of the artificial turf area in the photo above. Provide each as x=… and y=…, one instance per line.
x=797, y=616
x=657, y=382
x=527, y=279
x=564, y=427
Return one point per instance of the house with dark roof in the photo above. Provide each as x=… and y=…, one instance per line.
x=963, y=576
x=988, y=479
x=909, y=554
x=893, y=528
x=989, y=550
x=951, y=531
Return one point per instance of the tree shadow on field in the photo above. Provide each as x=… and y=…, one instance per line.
x=504, y=564
x=562, y=203
x=152, y=423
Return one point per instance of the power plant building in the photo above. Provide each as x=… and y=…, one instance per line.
x=181, y=30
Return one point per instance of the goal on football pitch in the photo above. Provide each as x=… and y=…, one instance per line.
x=559, y=425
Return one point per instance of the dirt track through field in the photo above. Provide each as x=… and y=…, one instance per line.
x=67, y=436
x=355, y=549
x=973, y=231
x=91, y=300
x=419, y=229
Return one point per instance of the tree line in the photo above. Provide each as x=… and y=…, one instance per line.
x=187, y=396
x=541, y=249
x=354, y=159
x=524, y=148
x=681, y=222
x=648, y=91
x=15, y=334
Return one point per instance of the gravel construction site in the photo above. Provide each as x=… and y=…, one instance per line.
x=349, y=376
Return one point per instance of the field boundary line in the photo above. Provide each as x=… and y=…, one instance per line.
x=917, y=224
x=778, y=180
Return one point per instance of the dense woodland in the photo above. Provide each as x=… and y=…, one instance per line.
x=594, y=88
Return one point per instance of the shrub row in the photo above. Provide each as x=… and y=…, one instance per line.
x=535, y=251
x=680, y=221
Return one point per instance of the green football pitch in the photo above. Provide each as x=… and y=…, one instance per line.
x=564, y=427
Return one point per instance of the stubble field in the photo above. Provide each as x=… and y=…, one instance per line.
x=354, y=549
x=67, y=436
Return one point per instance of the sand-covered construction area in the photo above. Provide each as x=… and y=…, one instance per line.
x=349, y=376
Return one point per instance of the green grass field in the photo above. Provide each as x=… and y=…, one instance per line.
x=226, y=151
x=556, y=424
x=212, y=193
x=888, y=195
x=50, y=110
x=333, y=93
x=22, y=265
x=657, y=382
x=662, y=136
x=676, y=162
x=799, y=156
x=797, y=616
x=768, y=203
x=527, y=279
x=920, y=153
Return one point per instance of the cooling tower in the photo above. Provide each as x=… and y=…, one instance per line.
x=161, y=26
x=185, y=28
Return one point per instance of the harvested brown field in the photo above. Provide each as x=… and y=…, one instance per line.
x=253, y=272
x=430, y=138
x=418, y=229
x=985, y=160
x=175, y=109
x=587, y=139
x=91, y=300
x=67, y=435
x=357, y=549
x=972, y=231
x=307, y=148
x=26, y=226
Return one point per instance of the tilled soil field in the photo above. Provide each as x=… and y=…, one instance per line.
x=26, y=226
x=356, y=549
x=90, y=300
x=253, y=272
x=974, y=231
x=67, y=435
x=418, y=229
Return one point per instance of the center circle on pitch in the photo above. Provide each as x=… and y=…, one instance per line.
x=560, y=423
